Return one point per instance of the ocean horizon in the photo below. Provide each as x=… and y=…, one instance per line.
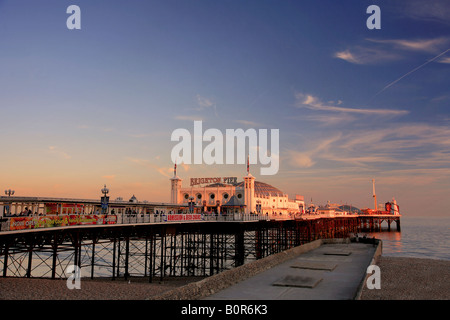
x=420, y=237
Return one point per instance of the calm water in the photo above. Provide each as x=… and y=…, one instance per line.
x=419, y=238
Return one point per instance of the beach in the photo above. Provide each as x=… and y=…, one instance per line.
x=411, y=279
x=97, y=289
x=401, y=279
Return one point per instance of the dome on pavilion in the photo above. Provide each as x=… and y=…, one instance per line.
x=264, y=189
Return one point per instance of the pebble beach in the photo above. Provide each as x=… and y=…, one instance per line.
x=411, y=279
x=401, y=279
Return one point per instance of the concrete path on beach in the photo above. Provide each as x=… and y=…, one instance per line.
x=330, y=272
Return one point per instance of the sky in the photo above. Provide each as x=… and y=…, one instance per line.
x=81, y=108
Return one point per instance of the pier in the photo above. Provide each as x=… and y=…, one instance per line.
x=168, y=245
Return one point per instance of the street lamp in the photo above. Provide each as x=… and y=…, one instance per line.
x=105, y=199
x=9, y=193
x=105, y=191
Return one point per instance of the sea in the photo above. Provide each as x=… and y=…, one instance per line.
x=420, y=237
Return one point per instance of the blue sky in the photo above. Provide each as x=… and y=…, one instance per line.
x=80, y=108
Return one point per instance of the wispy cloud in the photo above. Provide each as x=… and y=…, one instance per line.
x=205, y=103
x=366, y=55
x=331, y=120
x=348, y=56
x=165, y=171
x=426, y=45
x=376, y=51
x=55, y=150
x=401, y=137
x=190, y=118
x=306, y=159
x=444, y=60
x=203, y=106
x=436, y=10
x=410, y=146
x=314, y=103
x=413, y=148
x=248, y=123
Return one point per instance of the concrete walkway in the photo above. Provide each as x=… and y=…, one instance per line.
x=329, y=272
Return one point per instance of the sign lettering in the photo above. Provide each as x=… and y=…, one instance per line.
x=227, y=180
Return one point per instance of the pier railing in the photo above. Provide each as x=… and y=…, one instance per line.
x=186, y=217
x=17, y=223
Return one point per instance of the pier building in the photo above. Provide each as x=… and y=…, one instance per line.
x=228, y=195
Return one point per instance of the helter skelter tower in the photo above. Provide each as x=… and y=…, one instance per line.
x=374, y=195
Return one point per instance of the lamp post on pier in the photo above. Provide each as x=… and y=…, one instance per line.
x=7, y=209
x=105, y=200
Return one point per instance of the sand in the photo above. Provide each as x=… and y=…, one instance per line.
x=401, y=279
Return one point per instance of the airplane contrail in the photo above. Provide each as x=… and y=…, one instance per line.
x=414, y=70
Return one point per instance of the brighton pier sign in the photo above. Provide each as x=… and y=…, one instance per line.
x=227, y=180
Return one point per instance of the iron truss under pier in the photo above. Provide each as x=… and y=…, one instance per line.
x=157, y=251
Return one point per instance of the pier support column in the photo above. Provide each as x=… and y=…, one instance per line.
x=114, y=259
x=30, y=259
x=163, y=255
x=151, y=262
x=239, y=246
x=55, y=254
x=5, y=260
x=258, y=243
x=76, y=248
x=92, y=260
x=127, y=253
